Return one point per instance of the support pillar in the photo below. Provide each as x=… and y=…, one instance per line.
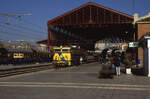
x=146, y=56
x=111, y=18
x=148, y=74
x=90, y=21
x=48, y=41
x=77, y=20
x=97, y=15
x=148, y=62
x=70, y=21
x=119, y=19
x=104, y=17
x=83, y=16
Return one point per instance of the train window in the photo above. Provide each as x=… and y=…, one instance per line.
x=20, y=54
x=57, y=50
x=15, y=54
x=66, y=50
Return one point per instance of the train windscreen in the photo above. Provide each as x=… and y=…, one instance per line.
x=57, y=50
x=66, y=50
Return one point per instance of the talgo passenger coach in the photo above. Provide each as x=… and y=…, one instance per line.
x=23, y=56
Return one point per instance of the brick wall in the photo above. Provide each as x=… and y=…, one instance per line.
x=142, y=29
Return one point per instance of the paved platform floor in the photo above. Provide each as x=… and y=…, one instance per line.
x=10, y=66
x=80, y=82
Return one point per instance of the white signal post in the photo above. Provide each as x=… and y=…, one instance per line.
x=147, y=56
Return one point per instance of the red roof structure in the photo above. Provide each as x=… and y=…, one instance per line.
x=92, y=22
x=89, y=13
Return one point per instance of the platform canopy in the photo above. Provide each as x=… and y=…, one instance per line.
x=89, y=23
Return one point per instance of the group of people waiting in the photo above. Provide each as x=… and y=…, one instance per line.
x=116, y=59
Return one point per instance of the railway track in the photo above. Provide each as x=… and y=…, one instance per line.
x=23, y=70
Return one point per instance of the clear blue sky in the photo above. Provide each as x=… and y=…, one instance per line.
x=44, y=10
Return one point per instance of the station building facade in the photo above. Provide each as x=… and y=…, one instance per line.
x=87, y=24
x=142, y=25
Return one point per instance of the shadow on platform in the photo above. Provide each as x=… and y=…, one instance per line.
x=138, y=71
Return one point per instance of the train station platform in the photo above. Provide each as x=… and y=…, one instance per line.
x=9, y=67
x=76, y=82
x=135, y=78
x=86, y=73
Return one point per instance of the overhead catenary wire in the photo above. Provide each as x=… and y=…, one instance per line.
x=17, y=34
x=33, y=24
x=17, y=30
x=14, y=33
x=7, y=36
x=20, y=30
x=26, y=28
x=13, y=30
x=28, y=23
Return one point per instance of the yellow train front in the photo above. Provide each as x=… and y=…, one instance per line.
x=67, y=56
x=62, y=56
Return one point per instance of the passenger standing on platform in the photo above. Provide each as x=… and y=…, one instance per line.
x=112, y=62
x=81, y=60
x=117, y=64
x=101, y=58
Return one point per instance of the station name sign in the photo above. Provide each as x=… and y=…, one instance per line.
x=133, y=44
